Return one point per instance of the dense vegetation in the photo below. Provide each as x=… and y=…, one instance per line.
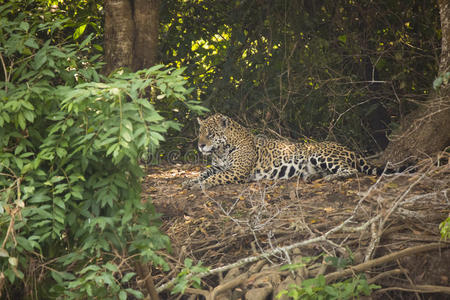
x=71, y=139
x=342, y=70
x=72, y=222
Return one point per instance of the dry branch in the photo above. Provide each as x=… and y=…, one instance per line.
x=144, y=272
x=417, y=288
x=240, y=280
x=384, y=259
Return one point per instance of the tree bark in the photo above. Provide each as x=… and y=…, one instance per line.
x=426, y=130
x=146, y=18
x=131, y=34
x=119, y=34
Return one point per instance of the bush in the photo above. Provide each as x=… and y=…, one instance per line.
x=72, y=221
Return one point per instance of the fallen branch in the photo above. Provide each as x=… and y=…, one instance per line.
x=240, y=280
x=418, y=288
x=384, y=259
x=384, y=275
x=197, y=292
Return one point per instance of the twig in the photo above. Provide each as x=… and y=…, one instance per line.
x=373, y=242
x=5, y=71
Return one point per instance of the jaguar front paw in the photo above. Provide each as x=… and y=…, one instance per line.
x=195, y=184
x=187, y=184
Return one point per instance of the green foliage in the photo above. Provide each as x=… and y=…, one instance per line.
x=187, y=276
x=445, y=229
x=71, y=214
x=441, y=80
x=340, y=262
x=317, y=288
x=332, y=69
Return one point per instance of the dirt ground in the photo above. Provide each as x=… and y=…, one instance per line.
x=386, y=228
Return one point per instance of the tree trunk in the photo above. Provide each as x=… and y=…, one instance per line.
x=146, y=18
x=131, y=34
x=119, y=34
x=426, y=130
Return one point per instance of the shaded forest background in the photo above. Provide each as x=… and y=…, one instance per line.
x=342, y=70
x=88, y=88
x=345, y=70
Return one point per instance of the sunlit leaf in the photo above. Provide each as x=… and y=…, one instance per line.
x=79, y=31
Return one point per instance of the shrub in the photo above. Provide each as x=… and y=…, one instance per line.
x=72, y=221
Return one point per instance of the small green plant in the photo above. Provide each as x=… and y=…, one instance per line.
x=340, y=262
x=187, y=276
x=317, y=288
x=441, y=80
x=445, y=229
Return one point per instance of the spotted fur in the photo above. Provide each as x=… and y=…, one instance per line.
x=238, y=156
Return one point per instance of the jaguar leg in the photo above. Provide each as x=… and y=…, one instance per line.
x=343, y=173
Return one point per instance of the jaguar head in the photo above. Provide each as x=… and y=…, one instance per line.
x=212, y=133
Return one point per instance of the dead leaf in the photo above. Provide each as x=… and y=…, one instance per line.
x=329, y=209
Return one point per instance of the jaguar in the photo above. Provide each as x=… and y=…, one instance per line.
x=238, y=156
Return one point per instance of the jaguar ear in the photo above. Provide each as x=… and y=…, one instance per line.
x=200, y=121
x=224, y=121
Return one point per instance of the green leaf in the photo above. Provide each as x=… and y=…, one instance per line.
x=21, y=121
x=79, y=31
x=438, y=82
x=126, y=135
x=135, y=293
x=48, y=73
x=3, y=253
x=31, y=42
x=343, y=38
x=24, y=26
x=13, y=261
x=111, y=267
x=122, y=295
x=40, y=58
x=24, y=243
x=59, y=202
x=61, y=152
x=178, y=71
x=188, y=263
x=86, y=41
x=98, y=47
x=39, y=197
x=127, y=277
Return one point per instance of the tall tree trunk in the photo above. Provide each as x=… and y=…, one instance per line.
x=119, y=34
x=131, y=34
x=426, y=130
x=146, y=18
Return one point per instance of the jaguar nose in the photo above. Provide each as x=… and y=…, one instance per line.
x=201, y=146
